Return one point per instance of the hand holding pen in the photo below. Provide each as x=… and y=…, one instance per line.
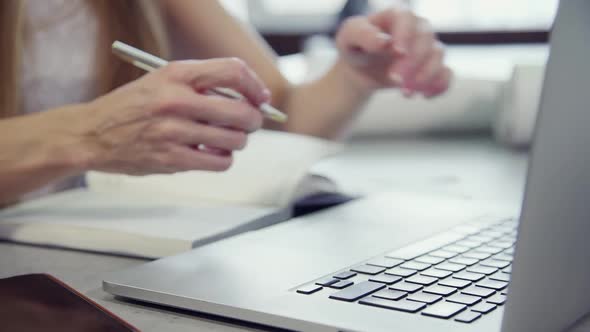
x=169, y=121
x=150, y=62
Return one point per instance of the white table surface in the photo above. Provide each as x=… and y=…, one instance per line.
x=473, y=167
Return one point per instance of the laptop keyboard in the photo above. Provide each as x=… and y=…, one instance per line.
x=462, y=275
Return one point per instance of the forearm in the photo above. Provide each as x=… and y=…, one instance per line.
x=34, y=153
x=325, y=107
x=321, y=108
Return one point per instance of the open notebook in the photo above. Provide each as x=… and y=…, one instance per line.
x=160, y=215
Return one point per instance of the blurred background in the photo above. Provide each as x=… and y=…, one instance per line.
x=497, y=50
x=286, y=23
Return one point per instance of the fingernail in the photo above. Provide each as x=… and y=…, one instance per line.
x=399, y=49
x=396, y=78
x=384, y=36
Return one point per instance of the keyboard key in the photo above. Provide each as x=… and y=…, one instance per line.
x=468, y=229
x=422, y=247
x=450, y=267
x=385, y=279
x=357, y=291
x=452, y=282
x=327, y=282
x=492, y=284
x=508, y=269
x=480, y=238
x=456, y=248
x=469, y=243
x=345, y=275
x=501, y=244
x=390, y=294
x=500, y=276
x=444, y=310
x=504, y=229
x=368, y=269
x=504, y=292
x=385, y=262
x=341, y=284
x=309, y=289
x=477, y=255
x=440, y=290
x=464, y=260
x=436, y=273
x=424, y=297
x=415, y=266
x=429, y=259
x=443, y=254
x=401, y=272
x=482, y=269
x=497, y=299
x=464, y=299
x=483, y=307
x=478, y=291
x=491, y=233
x=495, y=263
x=503, y=257
x=488, y=249
x=468, y=276
x=402, y=305
x=406, y=287
x=468, y=316
x=421, y=280
x=509, y=251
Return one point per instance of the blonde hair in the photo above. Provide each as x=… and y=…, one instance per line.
x=136, y=22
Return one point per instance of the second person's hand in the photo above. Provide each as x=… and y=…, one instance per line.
x=394, y=48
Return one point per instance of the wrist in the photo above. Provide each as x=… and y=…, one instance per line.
x=69, y=146
x=354, y=84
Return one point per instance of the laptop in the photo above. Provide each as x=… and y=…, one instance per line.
x=401, y=262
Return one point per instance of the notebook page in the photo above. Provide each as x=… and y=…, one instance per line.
x=266, y=173
x=84, y=219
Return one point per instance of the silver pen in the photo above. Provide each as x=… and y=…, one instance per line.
x=149, y=62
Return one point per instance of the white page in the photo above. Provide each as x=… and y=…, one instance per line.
x=266, y=173
x=84, y=219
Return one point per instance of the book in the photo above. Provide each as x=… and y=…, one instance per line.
x=160, y=215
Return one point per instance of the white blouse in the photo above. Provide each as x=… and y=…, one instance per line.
x=58, y=62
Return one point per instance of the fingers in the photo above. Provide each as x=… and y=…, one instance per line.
x=229, y=113
x=225, y=72
x=357, y=33
x=178, y=158
x=429, y=70
x=420, y=50
x=184, y=145
x=191, y=133
x=400, y=23
x=220, y=111
x=440, y=84
x=415, y=57
x=422, y=64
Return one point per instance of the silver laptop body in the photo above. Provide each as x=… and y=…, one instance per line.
x=412, y=262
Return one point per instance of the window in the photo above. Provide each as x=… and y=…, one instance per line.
x=496, y=15
x=445, y=15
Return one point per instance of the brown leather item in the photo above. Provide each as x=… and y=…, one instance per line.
x=40, y=302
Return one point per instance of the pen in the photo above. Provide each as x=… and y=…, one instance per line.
x=149, y=62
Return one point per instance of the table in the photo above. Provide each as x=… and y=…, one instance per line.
x=474, y=167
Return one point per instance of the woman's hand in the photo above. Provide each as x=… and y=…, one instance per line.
x=394, y=48
x=165, y=122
